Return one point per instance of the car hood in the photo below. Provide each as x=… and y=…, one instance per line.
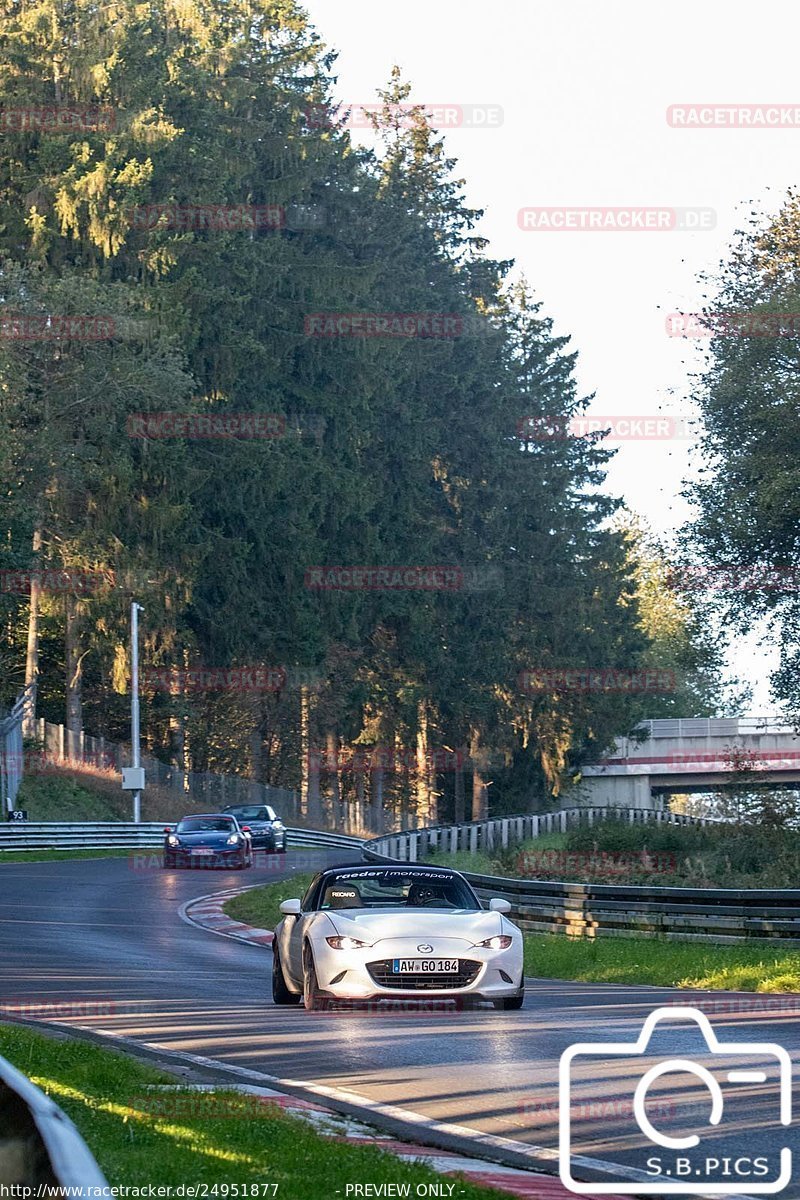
x=376, y=924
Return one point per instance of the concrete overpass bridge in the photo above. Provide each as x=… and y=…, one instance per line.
x=697, y=754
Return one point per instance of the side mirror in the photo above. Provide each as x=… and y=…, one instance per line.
x=245, y=829
x=498, y=905
x=291, y=908
x=167, y=829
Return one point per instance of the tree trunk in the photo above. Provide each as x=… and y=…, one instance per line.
x=480, y=792
x=305, y=751
x=74, y=666
x=332, y=763
x=32, y=656
x=422, y=788
x=376, y=791
x=358, y=816
x=314, y=801
x=459, y=813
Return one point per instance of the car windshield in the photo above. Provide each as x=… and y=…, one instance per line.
x=206, y=825
x=250, y=812
x=395, y=888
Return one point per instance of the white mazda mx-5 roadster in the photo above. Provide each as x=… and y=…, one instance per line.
x=395, y=933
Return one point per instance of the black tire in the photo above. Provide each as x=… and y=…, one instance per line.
x=280, y=992
x=511, y=1003
x=313, y=999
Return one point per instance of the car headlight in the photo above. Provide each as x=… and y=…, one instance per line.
x=346, y=943
x=501, y=942
x=233, y=839
x=172, y=840
x=277, y=824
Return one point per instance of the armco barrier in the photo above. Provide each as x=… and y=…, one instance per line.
x=503, y=832
x=591, y=910
x=109, y=835
x=40, y=1146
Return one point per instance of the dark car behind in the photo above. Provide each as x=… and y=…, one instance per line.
x=266, y=828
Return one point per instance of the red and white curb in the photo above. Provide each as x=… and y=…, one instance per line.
x=206, y=912
x=341, y=1128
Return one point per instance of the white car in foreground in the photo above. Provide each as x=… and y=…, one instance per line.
x=395, y=933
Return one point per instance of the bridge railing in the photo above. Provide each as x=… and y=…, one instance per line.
x=714, y=727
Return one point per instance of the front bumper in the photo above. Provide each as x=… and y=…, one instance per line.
x=367, y=974
x=268, y=839
x=220, y=858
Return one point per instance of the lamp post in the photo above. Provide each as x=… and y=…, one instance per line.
x=135, y=749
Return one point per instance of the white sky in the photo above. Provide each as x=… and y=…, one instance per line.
x=584, y=89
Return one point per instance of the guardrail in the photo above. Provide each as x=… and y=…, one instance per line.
x=714, y=727
x=592, y=910
x=502, y=832
x=41, y=1146
x=109, y=835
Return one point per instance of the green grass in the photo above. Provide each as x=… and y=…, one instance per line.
x=665, y=963
x=141, y=1138
x=261, y=906
x=64, y=855
x=54, y=795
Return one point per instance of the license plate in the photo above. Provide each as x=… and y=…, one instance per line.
x=425, y=966
x=201, y=851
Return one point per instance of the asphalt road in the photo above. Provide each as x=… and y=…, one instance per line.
x=98, y=944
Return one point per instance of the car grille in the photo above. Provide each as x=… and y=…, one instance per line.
x=382, y=974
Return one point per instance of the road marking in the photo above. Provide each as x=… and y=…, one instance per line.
x=366, y=1106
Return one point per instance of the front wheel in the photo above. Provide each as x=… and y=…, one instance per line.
x=313, y=999
x=280, y=992
x=511, y=1003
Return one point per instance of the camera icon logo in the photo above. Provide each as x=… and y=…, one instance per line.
x=677, y=1170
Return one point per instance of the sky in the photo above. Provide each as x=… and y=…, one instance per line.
x=574, y=98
